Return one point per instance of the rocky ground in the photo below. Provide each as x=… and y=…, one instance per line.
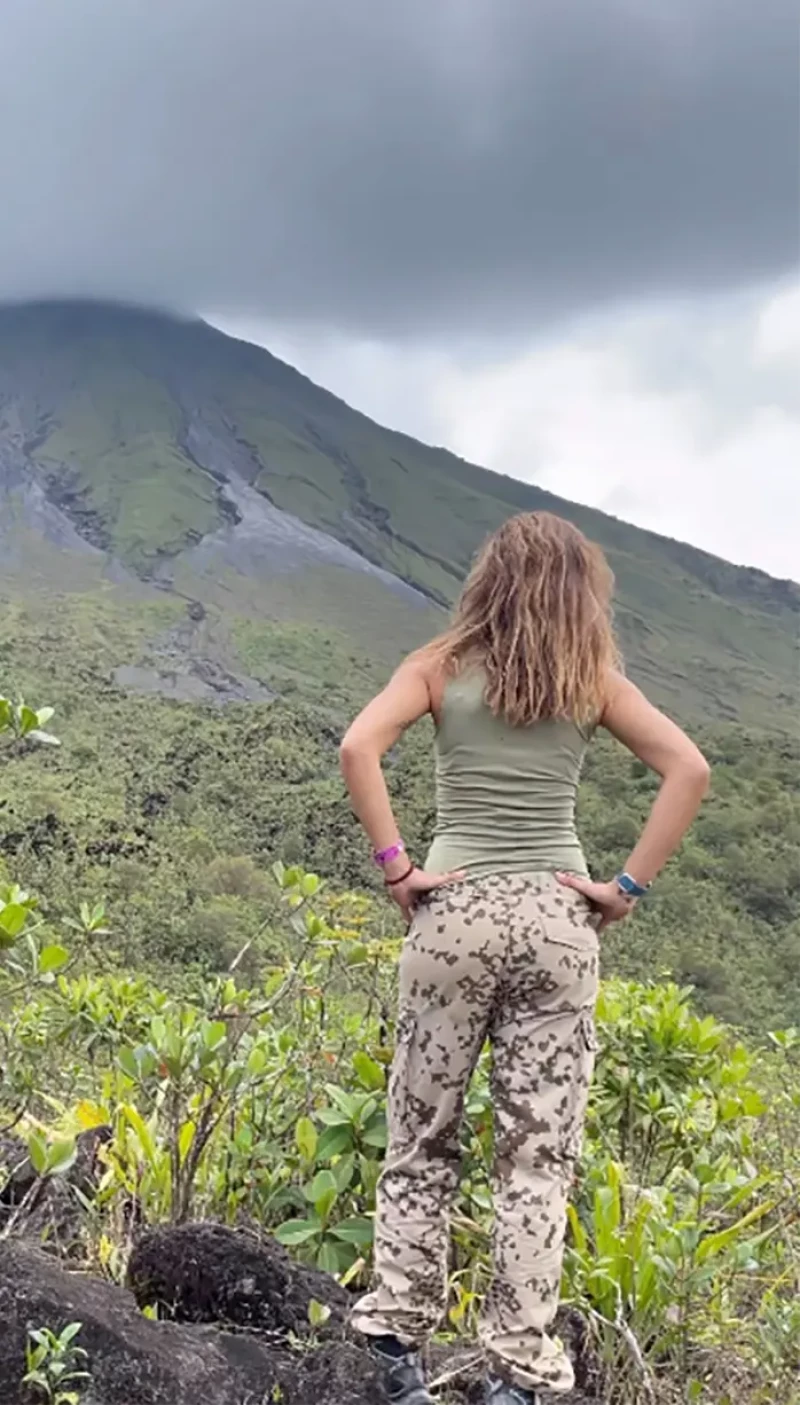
x=228, y=1321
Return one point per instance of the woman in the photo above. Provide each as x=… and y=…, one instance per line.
x=504, y=937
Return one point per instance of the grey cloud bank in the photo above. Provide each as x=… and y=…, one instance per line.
x=435, y=169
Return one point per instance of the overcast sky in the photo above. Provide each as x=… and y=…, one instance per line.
x=561, y=236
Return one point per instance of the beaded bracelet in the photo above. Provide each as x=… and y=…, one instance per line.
x=393, y=882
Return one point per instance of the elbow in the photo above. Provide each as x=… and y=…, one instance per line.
x=347, y=750
x=691, y=773
x=351, y=752
x=699, y=774
x=706, y=778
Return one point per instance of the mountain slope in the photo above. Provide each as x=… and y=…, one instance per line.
x=161, y=456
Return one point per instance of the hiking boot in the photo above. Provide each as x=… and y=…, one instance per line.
x=501, y=1393
x=400, y=1367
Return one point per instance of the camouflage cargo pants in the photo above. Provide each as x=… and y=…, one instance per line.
x=514, y=959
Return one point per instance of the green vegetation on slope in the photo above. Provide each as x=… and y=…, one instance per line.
x=175, y=814
x=104, y=410
x=115, y=455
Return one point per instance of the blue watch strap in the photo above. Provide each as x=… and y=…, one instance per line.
x=629, y=886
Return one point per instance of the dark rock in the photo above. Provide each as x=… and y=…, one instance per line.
x=135, y=1361
x=207, y=1273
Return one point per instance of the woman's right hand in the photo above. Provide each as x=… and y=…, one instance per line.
x=408, y=893
x=606, y=898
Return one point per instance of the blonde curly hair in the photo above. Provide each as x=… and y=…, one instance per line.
x=535, y=614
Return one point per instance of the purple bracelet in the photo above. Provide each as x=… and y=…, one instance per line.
x=384, y=856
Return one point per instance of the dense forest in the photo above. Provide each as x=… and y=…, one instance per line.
x=175, y=815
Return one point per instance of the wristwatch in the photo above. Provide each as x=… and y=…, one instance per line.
x=629, y=887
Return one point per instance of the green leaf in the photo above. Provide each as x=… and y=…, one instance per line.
x=52, y=958
x=343, y=1172
x=256, y=1061
x=37, y=1151
x=327, y=1258
x=322, y=1184
x=297, y=1231
x=215, y=1034
x=92, y=918
x=143, y=1134
x=326, y=1202
x=348, y=1103
x=714, y=1243
x=12, y=920
x=305, y=1135
x=36, y=1377
x=27, y=719
x=335, y=1141
x=318, y=1313
x=578, y=1232
x=61, y=1157
x=356, y=953
x=127, y=1062
x=185, y=1139
x=322, y=1193
x=332, y=1117
x=357, y=1230
x=369, y=1073
x=375, y=1133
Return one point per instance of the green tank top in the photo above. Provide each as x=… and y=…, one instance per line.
x=505, y=796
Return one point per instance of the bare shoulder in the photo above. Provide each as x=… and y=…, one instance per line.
x=626, y=706
x=417, y=677
x=620, y=689
x=429, y=666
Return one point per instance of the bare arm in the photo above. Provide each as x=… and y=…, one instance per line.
x=662, y=746
x=375, y=731
x=404, y=700
x=685, y=773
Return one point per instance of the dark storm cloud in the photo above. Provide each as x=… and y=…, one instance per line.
x=396, y=165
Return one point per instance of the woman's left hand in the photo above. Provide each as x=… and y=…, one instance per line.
x=408, y=893
x=607, y=898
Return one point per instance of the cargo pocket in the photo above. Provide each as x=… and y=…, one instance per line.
x=565, y=933
x=576, y=927
x=571, y=955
